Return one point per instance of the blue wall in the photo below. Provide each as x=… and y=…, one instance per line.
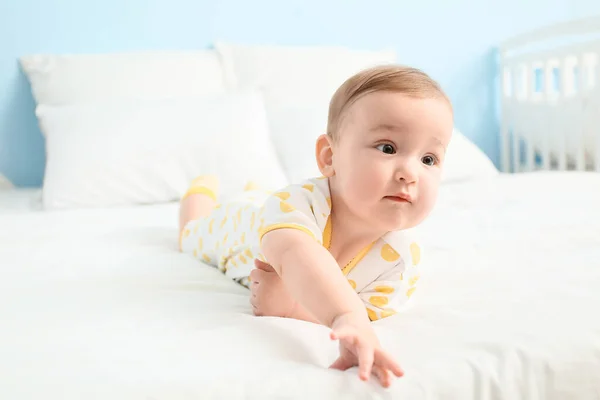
x=453, y=40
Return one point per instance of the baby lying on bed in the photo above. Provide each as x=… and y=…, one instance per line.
x=338, y=249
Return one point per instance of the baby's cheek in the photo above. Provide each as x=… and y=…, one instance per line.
x=374, y=179
x=363, y=185
x=427, y=198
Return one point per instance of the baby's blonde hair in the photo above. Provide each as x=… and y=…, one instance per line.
x=391, y=78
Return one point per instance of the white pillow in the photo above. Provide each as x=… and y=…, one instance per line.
x=85, y=78
x=135, y=152
x=297, y=83
x=465, y=161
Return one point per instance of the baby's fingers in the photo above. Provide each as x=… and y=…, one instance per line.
x=342, y=363
x=361, y=350
x=365, y=360
x=386, y=361
x=383, y=375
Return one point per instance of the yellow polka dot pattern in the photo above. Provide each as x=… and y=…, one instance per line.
x=286, y=207
x=413, y=281
x=384, y=289
x=372, y=315
x=223, y=238
x=251, y=186
x=378, y=301
x=389, y=254
x=415, y=253
x=282, y=195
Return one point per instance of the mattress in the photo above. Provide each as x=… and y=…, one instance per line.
x=99, y=304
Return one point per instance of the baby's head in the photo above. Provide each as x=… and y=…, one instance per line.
x=387, y=135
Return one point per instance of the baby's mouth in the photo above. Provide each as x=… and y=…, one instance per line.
x=399, y=199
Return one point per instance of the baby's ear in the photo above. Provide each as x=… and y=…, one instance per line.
x=324, y=153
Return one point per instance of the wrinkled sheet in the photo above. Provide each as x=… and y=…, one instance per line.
x=99, y=304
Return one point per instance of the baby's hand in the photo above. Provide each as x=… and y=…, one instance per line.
x=269, y=297
x=360, y=347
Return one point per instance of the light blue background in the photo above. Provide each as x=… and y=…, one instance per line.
x=453, y=40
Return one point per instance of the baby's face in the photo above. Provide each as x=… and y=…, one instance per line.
x=389, y=158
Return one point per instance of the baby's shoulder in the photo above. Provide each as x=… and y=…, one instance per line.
x=312, y=193
x=305, y=205
x=307, y=188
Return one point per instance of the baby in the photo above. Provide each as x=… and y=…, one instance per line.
x=338, y=249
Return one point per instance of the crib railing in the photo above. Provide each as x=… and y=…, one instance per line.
x=551, y=98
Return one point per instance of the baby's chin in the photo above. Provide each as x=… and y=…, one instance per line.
x=399, y=221
x=396, y=224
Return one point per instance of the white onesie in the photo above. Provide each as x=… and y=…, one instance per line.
x=384, y=274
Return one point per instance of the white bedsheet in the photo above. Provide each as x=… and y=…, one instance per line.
x=99, y=304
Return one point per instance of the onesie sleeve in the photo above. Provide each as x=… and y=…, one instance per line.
x=391, y=291
x=302, y=207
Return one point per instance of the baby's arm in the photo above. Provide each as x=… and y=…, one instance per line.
x=311, y=275
x=382, y=298
x=315, y=280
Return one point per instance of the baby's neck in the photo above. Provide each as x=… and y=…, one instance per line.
x=349, y=234
x=349, y=229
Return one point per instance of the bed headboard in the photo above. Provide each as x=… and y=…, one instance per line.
x=550, y=117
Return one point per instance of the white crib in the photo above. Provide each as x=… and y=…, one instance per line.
x=550, y=109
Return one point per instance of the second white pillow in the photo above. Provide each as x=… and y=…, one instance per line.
x=144, y=152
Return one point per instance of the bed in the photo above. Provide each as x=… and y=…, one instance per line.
x=109, y=309
x=97, y=302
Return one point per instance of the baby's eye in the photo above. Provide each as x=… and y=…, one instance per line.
x=428, y=160
x=387, y=148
